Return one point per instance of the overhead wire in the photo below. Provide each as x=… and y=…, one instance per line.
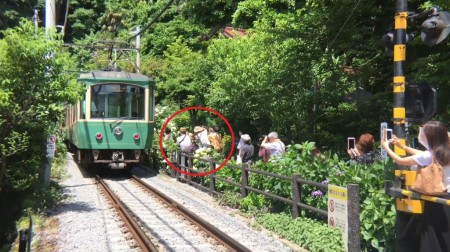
x=153, y=20
x=342, y=27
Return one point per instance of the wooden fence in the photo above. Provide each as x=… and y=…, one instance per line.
x=354, y=240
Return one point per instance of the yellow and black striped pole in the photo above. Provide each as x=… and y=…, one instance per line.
x=399, y=111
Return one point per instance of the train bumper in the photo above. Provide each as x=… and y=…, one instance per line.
x=117, y=165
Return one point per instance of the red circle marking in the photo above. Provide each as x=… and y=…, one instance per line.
x=161, y=134
x=331, y=221
x=331, y=205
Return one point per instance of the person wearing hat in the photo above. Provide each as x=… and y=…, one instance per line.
x=184, y=141
x=202, y=135
x=247, y=150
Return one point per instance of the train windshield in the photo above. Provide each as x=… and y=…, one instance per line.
x=122, y=101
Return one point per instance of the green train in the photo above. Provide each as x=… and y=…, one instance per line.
x=113, y=123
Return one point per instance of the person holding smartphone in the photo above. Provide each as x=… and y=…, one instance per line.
x=363, y=152
x=431, y=228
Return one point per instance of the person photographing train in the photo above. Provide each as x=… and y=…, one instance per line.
x=274, y=145
x=433, y=226
x=363, y=152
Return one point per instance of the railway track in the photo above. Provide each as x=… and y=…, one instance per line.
x=159, y=223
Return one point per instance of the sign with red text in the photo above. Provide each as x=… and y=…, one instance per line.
x=337, y=210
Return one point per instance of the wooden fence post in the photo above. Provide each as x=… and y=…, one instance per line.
x=189, y=169
x=174, y=162
x=354, y=225
x=244, y=180
x=154, y=158
x=296, y=195
x=212, y=178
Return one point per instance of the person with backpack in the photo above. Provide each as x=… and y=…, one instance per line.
x=202, y=136
x=215, y=139
x=429, y=231
x=274, y=145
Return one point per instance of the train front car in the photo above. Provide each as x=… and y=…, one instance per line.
x=113, y=123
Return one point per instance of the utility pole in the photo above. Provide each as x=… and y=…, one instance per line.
x=36, y=21
x=50, y=15
x=434, y=30
x=405, y=221
x=399, y=113
x=138, y=49
x=50, y=25
x=404, y=175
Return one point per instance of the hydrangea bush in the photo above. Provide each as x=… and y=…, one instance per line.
x=377, y=208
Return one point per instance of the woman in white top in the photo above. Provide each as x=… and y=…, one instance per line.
x=434, y=137
x=433, y=226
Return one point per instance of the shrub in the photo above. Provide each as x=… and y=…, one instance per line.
x=377, y=208
x=305, y=232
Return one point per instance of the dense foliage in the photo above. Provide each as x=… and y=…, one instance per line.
x=311, y=70
x=319, y=60
x=35, y=84
x=377, y=212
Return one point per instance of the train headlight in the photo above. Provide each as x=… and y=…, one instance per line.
x=118, y=131
x=99, y=136
x=136, y=136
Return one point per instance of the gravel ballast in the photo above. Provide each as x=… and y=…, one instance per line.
x=88, y=223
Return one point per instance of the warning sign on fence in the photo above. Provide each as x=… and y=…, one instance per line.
x=337, y=210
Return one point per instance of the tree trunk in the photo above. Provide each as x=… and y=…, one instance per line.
x=194, y=118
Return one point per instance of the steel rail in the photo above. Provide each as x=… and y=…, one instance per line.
x=144, y=242
x=217, y=234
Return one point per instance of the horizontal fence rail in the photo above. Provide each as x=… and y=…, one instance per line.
x=179, y=159
x=184, y=162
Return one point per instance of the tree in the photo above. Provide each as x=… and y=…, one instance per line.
x=36, y=81
x=184, y=77
x=11, y=11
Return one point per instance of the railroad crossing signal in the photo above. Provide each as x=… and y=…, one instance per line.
x=387, y=40
x=412, y=103
x=420, y=102
x=435, y=29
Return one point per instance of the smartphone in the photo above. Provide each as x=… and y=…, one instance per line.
x=350, y=143
x=388, y=134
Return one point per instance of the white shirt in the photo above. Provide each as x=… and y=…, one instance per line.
x=240, y=144
x=425, y=158
x=203, y=136
x=185, y=143
x=276, y=148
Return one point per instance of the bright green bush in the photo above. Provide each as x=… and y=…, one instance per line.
x=305, y=232
x=254, y=203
